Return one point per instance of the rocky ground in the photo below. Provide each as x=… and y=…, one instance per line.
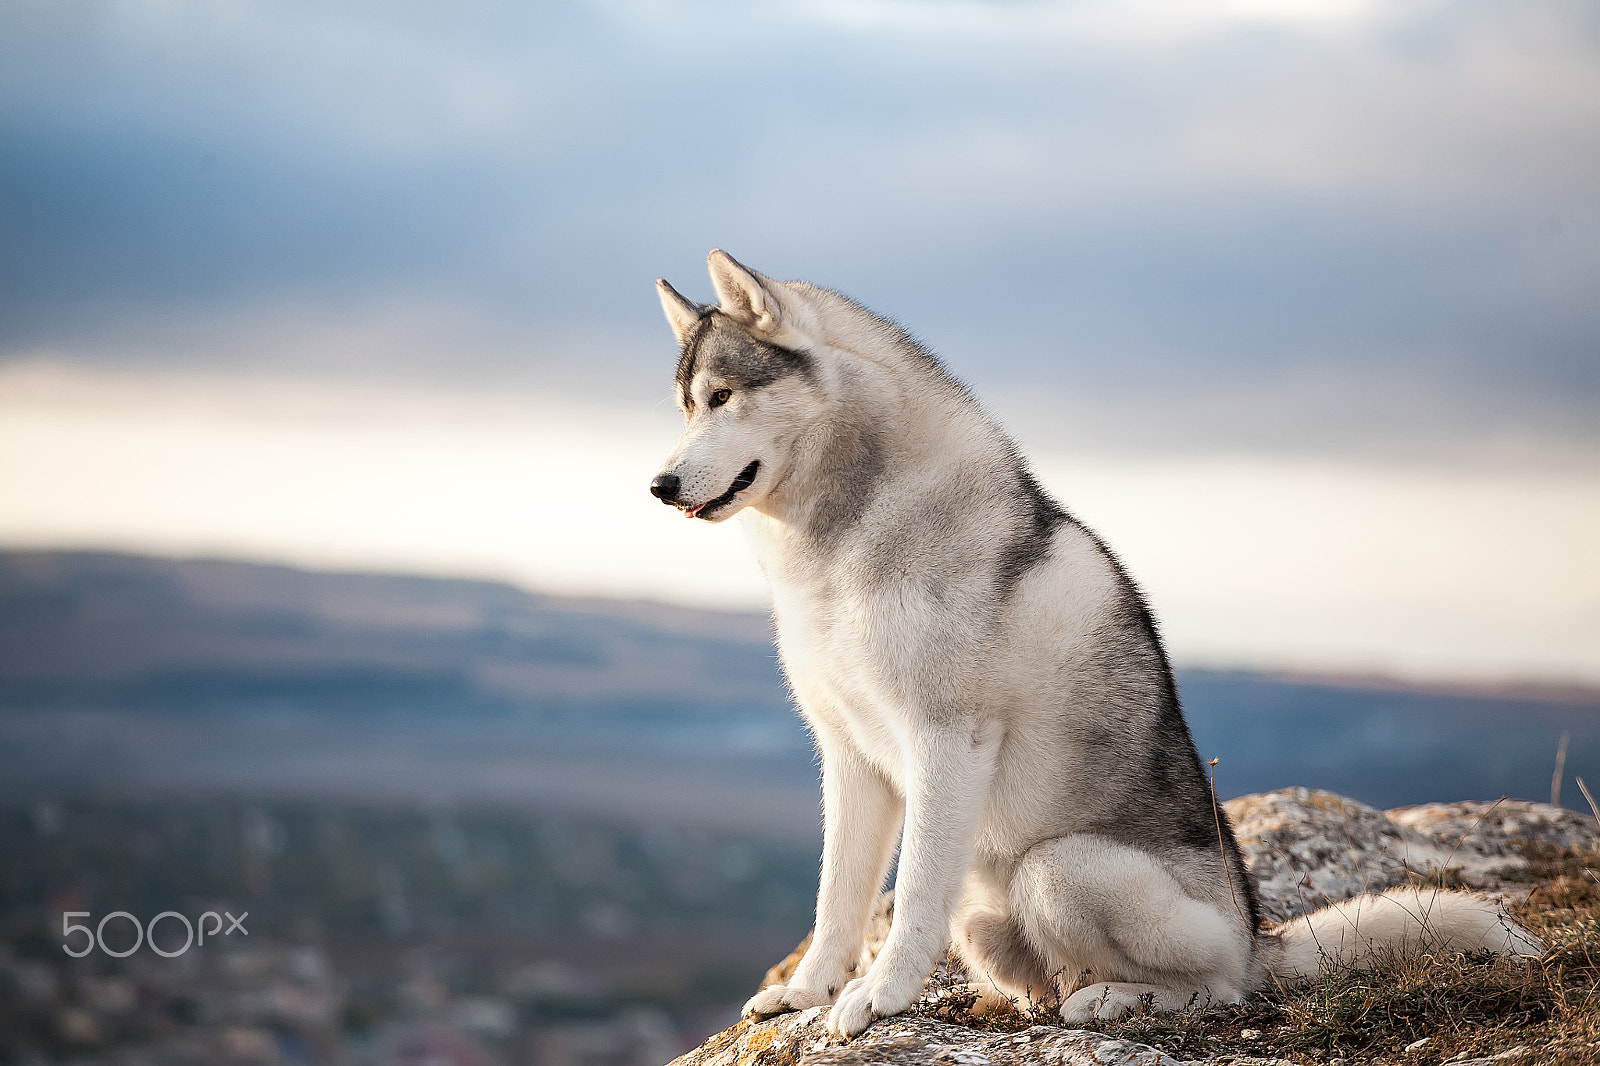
x=1307, y=848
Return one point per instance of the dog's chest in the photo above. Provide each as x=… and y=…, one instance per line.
x=861, y=668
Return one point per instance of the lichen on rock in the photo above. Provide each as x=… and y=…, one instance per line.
x=801, y=1039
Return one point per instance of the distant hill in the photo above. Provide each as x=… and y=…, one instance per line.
x=215, y=636
x=1389, y=744
x=129, y=673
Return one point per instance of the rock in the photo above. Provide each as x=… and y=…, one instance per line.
x=801, y=1039
x=1509, y=1053
x=1498, y=828
x=1307, y=848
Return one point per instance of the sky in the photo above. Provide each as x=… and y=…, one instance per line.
x=1297, y=301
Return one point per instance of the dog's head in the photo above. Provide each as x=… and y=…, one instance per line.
x=745, y=384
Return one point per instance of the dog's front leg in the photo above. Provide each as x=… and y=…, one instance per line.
x=949, y=769
x=860, y=813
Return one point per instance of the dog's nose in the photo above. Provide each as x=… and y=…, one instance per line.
x=665, y=488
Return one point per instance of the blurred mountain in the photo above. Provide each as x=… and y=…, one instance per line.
x=1388, y=743
x=129, y=673
x=214, y=636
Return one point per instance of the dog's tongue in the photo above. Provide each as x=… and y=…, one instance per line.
x=694, y=512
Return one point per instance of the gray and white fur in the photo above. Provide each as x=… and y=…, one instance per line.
x=984, y=682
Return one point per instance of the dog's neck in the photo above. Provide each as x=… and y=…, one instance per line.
x=856, y=451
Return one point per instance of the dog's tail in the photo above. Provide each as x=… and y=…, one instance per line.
x=1370, y=931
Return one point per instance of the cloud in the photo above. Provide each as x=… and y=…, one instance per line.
x=1123, y=199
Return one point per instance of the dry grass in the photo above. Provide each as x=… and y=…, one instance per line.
x=1464, y=1007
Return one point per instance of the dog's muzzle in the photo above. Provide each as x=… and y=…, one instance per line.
x=746, y=478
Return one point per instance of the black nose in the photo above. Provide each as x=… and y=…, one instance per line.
x=665, y=488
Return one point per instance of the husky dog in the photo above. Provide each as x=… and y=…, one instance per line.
x=976, y=667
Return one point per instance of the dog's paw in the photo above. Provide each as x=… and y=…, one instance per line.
x=781, y=999
x=854, y=1011
x=865, y=1000
x=1102, y=1003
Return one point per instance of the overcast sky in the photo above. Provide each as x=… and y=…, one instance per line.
x=1381, y=215
x=1251, y=231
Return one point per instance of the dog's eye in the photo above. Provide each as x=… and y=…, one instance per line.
x=720, y=397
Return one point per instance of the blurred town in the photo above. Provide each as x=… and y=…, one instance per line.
x=390, y=935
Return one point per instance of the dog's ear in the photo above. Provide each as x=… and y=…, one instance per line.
x=742, y=294
x=682, y=313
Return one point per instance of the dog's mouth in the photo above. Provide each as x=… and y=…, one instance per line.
x=746, y=478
